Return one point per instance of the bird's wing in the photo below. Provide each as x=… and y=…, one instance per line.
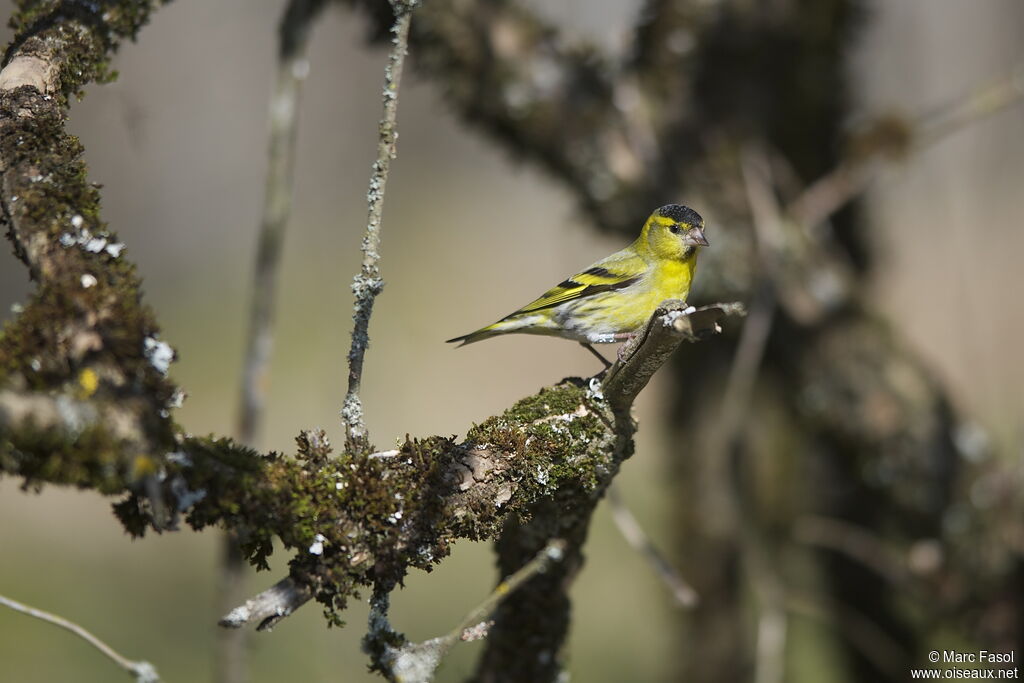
x=615, y=272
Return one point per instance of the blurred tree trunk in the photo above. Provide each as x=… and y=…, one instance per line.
x=845, y=423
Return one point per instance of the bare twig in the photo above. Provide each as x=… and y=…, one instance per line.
x=638, y=539
x=292, y=67
x=230, y=656
x=416, y=662
x=368, y=283
x=144, y=672
x=866, y=636
x=833, y=190
x=552, y=553
x=269, y=607
x=853, y=541
x=980, y=103
x=772, y=627
x=772, y=618
x=754, y=335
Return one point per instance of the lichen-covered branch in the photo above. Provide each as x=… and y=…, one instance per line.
x=555, y=102
x=59, y=47
x=536, y=620
x=368, y=283
x=82, y=368
x=358, y=520
x=84, y=400
x=363, y=520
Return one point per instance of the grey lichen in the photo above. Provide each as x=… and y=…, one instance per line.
x=368, y=284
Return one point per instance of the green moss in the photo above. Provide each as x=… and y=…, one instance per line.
x=68, y=328
x=556, y=452
x=560, y=399
x=359, y=524
x=369, y=519
x=50, y=194
x=91, y=460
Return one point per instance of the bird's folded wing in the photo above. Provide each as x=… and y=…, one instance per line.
x=610, y=274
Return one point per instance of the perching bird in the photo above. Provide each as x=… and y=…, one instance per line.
x=614, y=297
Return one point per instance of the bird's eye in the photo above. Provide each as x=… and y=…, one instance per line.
x=674, y=228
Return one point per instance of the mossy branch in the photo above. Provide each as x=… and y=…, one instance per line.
x=364, y=520
x=82, y=369
x=356, y=520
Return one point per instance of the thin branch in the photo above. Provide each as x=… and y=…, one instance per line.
x=672, y=323
x=630, y=528
x=855, y=542
x=292, y=68
x=144, y=672
x=553, y=552
x=772, y=630
x=269, y=607
x=980, y=103
x=417, y=662
x=772, y=626
x=368, y=283
x=833, y=190
x=746, y=363
x=230, y=656
x=867, y=637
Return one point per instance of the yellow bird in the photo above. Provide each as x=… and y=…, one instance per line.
x=613, y=298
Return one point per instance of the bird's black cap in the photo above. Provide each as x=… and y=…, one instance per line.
x=680, y=214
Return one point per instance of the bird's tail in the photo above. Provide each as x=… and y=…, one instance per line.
x=479, y=335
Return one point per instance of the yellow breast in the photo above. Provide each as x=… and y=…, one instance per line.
x=668, y=280
x=671, y=279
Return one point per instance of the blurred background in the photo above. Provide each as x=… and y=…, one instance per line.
x=470, y=233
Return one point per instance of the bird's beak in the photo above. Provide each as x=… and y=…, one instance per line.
x=695, y=238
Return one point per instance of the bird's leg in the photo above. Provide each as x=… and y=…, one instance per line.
x=594, y=351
